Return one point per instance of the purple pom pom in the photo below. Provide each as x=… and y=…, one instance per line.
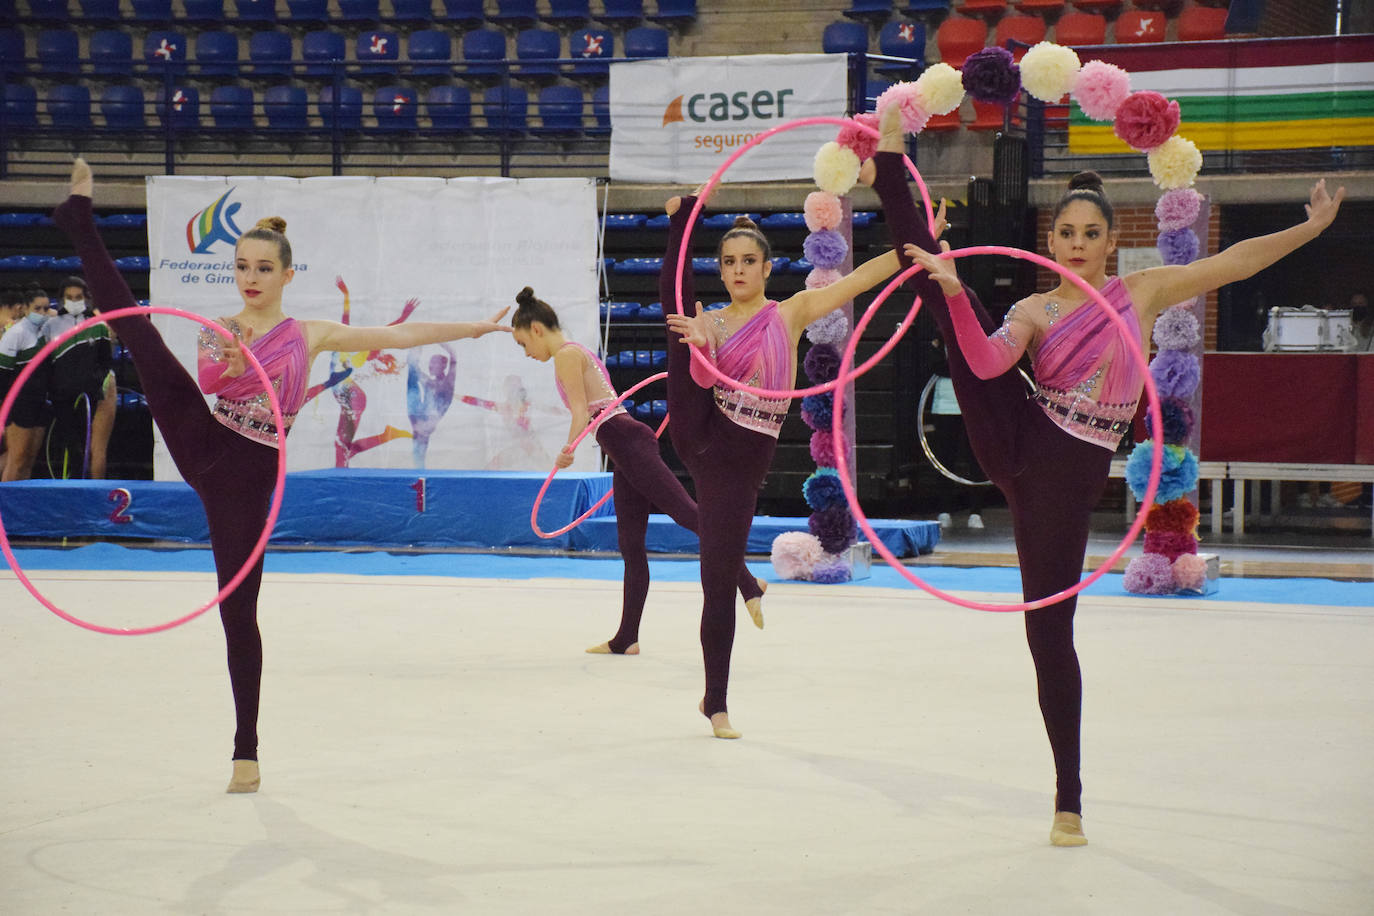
x=834, y=527
x=991, y=75
x=1151, y=574
x=832, y=328
x=1178, y=246
x=1176, y=373
x=1178, y=209
x=825, y=248
x=1178, y=421
x=1177, y=328
x=832, y=569
x=822, y=363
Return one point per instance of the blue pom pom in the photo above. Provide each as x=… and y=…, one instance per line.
x=1177, y=476
x=823, y=489
x=817, y=410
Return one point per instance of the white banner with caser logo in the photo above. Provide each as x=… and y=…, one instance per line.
x=375, y=251
x=677, y=119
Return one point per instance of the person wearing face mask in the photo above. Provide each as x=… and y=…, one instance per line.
x=81, y=384
x=28, y=419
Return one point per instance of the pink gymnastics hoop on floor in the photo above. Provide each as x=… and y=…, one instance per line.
x=1156, y=462
x=590, y=428
x=276, y=492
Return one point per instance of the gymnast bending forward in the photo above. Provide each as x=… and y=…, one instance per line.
x=228, y=454
x=640, y=478
x=725, y=436
x=1050, y=452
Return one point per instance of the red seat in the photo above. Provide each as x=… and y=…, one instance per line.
x=1057, y=115
x=958, y=38
x=990, y=116
x=1107, y=8
x=1139, y=27
x=1202, y=23
x=1078, y=29
x=950, y=121
x=1049, y=9
x=1025, y=29
x=987, y=9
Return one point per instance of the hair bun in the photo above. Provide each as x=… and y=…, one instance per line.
x=272, y=224
x=1087, y=181
x=525, y=296
x=744, y=222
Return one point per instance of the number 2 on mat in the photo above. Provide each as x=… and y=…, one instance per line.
x=122, y=499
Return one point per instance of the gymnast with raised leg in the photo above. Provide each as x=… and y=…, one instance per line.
x=724, y=436
x=1050, y=452
x=640, y=478
x=229, y=454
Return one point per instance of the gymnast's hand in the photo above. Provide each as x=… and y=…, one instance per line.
x=1323, y=207
x=233, y=353
x=564, y=459
x=492, y=324
x=941, y=270
x=692, y=328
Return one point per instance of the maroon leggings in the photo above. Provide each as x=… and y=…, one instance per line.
x=233, y=476
x=728, y=464
x=1051, y=479
x=642, y=482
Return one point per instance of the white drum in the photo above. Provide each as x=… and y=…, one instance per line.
x=1307, y=328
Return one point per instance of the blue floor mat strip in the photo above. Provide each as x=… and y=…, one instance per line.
x=1326, y=592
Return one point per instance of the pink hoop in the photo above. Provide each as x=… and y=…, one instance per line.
x=687, y=241
x=590, y=428
x=1156, y=463
x=276, y=493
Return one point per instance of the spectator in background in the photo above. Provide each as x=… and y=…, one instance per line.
x=28, y=419
x=81, y=385
x=1361, y=324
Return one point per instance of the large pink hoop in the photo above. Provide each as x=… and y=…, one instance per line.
x=590, y=428
x=276, y=492
x=1156, y=462
x=687, y=241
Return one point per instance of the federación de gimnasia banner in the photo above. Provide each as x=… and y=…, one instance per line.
x=677, y=119
x=376, y=251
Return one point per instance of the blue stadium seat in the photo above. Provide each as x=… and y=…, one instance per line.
x=483, y=49
x=182, y=110
x=926, y=8
x=845, y=38
x=100, y=10
x=270, y=54
x=601, y=108
x=622, y=12
x=12, y=52
x=675, y=12
x=359, y=11
x=217, y=54
x=231, y=107
x=449, y=107
x=624, y=221
x=657, y=222
x=783, y=221
x=308, y=11
x=871, y=10
x=905, y=39
x=411, y=11
x=639, y=265
x=318, y=48
x=464, y=12
x=646, y=41
x=26, y=262
x=69, y=107
x=111, y=52
x=58, y=52
x=122, y=107
x=68, y=265
x=134, y=263
x=518, y=14
x=378, y=51
x=536, y=49
x=560, y=109
x=203, y=10
x=591, y=49
x=705, y=266
x=285, y=107
x=152, y=10
x=652, y=312
x=164, y=47
x=395, y=108
x=49, y=11
x=430, y=52
x=725, y=221
x=568, y=12
x=8, y=11
x=506, y=108
x=350, y=107
x=21, y=105
x=255, y=10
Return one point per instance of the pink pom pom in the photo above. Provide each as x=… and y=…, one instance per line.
x=822, y=210
x=823, y=448
x=1151, y=574
x=795, y=554
x=819, y=278
x=859, y=140
x=1145, y=120
x=1190, y=573
x=1178, y=209
x=1100, y=89
x=908, y=102
x=1170, y=544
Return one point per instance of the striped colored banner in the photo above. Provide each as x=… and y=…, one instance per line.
x=1291, y=93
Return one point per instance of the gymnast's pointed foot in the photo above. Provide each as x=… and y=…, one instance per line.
x=76, y=209
x=604, y=648
x=1067, y=830
x=82, y=181
x=755, y=605
x=720, y=723
x=891, y=139
x=246, y=777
